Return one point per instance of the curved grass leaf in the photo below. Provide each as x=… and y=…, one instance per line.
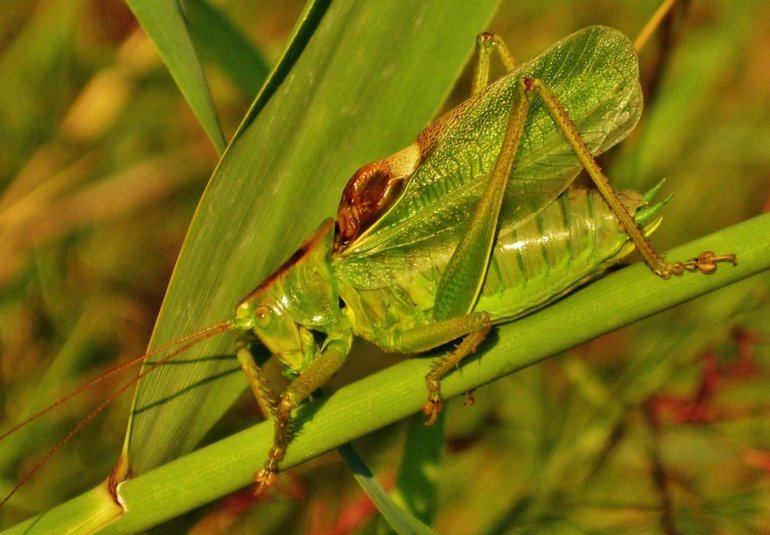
x=398, y=519
x=306, y=26
x=417, y=485
x=219, y=40
x=164, y=23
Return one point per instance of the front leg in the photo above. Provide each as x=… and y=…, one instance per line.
x=312, y=378
x=257, y=382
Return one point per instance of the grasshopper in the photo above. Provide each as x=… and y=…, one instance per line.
x=470, y=226
x=473, y=225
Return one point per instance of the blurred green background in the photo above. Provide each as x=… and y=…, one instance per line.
x=658, y=428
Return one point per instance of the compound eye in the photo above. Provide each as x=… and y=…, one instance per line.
x=262, y=316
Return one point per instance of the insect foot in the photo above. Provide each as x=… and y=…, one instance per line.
x=706, y=262
x=434, y=405
x=265, y=479
x=448, y=362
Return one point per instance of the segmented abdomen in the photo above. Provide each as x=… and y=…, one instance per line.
x=574, y=240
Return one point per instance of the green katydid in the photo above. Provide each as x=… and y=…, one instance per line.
x=470, y=226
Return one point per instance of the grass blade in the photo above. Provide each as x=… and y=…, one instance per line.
x=417, y=485
x=398, y=519
x=164, y=23
x=220, y=41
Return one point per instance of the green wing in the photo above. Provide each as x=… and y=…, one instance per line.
x=593, y=72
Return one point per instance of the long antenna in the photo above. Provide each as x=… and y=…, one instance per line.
x=181, y=345
x=653, y=23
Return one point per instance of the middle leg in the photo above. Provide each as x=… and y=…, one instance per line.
x=472, y=328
